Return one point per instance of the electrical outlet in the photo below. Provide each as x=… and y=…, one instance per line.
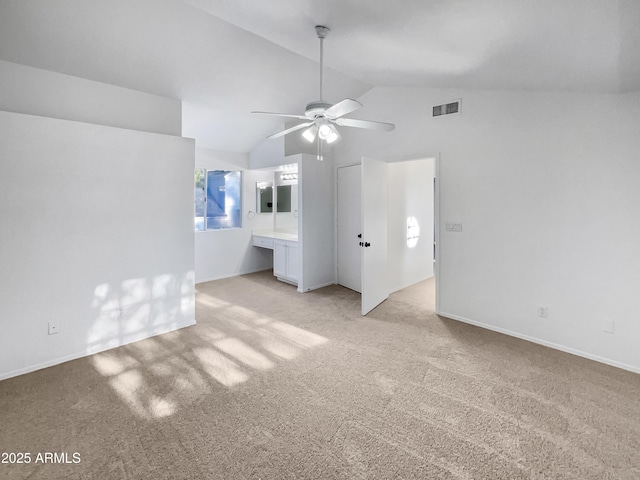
x=54, y=328
x=543, y=312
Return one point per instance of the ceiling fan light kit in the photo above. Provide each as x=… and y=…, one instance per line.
x=322, y=117
x=310, y=133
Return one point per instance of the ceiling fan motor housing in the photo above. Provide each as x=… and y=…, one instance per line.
x=322, y=31
x=316, y=109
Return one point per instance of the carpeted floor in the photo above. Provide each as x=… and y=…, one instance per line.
x=272, y=384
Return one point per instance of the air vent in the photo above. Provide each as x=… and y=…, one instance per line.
x=446, y=108
x=452, y=107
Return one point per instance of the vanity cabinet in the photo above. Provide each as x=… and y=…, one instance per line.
x=285, y=261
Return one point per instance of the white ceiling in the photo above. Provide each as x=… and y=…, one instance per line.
x=224, y=58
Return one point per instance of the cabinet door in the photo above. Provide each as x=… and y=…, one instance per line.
x=280, y=259
x=292, y=261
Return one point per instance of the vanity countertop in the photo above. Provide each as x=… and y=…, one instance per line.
x=275, y=234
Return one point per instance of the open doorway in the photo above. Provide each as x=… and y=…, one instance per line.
x=411, y=221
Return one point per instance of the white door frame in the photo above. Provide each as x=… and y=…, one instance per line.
x=436, y=226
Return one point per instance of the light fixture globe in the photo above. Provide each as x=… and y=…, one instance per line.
x=310, y=133
x=324, y=131
x=334, y=135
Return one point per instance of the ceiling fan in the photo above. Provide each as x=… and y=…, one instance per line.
x=322, y=117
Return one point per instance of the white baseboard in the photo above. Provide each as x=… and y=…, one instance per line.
x=75, y=356
x=539, y=341
x=229, y=275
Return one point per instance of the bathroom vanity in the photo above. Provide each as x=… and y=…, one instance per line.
x=286, y=263
x=296, y=213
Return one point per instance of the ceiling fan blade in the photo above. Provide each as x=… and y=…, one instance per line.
x=301, y=117
x=289, y=130
x=342, y=108
x=352, y=122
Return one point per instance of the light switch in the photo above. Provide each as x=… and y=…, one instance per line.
x=453, y=227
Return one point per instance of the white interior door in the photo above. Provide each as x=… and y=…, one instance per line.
x=349, y=227
x=375, y=190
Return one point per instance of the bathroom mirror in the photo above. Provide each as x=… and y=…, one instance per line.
x=283, y=198
x=286, y=218
x=264, y=197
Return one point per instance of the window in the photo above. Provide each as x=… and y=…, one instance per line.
x=218, y=199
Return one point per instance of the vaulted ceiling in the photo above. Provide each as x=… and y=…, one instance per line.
x=224, y=58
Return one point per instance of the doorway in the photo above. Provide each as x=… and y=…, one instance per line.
x=410, y=229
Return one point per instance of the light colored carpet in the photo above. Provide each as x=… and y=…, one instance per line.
x=272, y=384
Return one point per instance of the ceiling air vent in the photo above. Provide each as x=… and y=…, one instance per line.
x=446, y=108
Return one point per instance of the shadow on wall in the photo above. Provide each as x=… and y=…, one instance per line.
x=156, y=376
x=139, y=308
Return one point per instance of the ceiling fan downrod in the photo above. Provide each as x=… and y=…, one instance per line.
x=322, y=32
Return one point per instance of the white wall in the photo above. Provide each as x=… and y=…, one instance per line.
x=93, y=219
x=410, y=195
x=48, y=94
x=268, y=153
x=227, y=253
x=316, y=189
x=546, y=187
